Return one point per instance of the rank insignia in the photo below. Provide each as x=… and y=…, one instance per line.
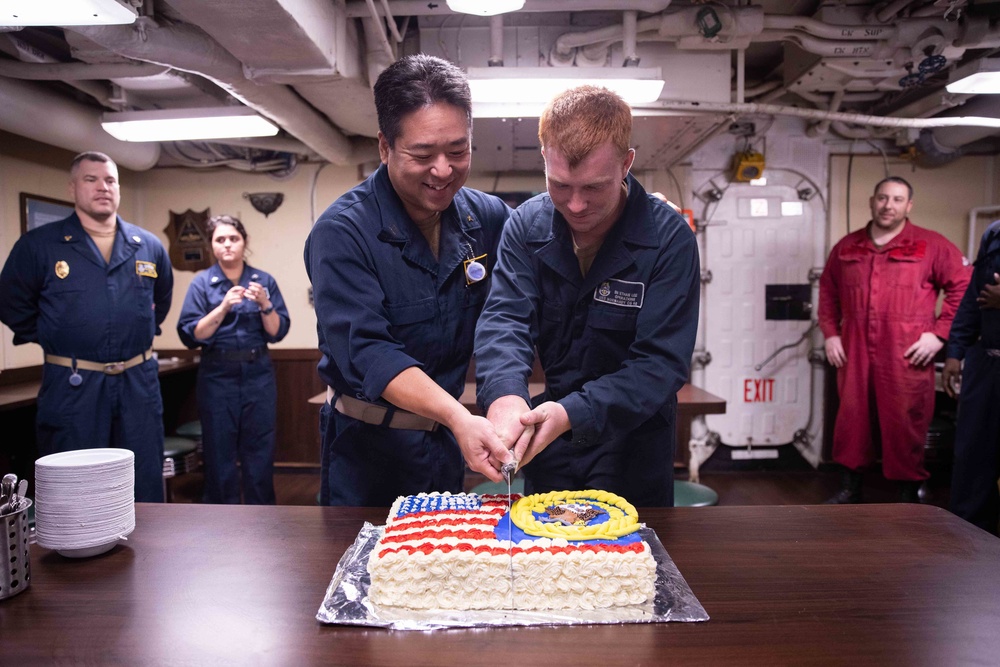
x=147, y=269
x=62, y=269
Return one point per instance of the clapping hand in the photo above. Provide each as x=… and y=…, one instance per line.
x=233, y=297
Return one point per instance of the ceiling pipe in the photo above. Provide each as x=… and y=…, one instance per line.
x=391, y=22
x=496, y=41
x=376, y=57
x=760, y=89
x=629, y=31
x=828, y=30
x=824, y=98
x=189, y=49
x=945, y=143
x=566, y=42
x=77, y=71
x=891, y=10
x=279, y=144
x=380, y=36
x=70, y=125
x=823, y=126
x=25, y=53
x=357, y=9
x=848, y=131
x=816, y=114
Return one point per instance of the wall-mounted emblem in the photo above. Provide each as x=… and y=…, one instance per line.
x=189, y=241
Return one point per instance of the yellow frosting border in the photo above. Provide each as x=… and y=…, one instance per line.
x=521, y=513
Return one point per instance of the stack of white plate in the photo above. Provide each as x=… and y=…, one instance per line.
x=84, y=500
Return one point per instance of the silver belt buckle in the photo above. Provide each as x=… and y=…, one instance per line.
x=114, y=368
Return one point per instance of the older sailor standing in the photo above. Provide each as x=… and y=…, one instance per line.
x=92, y=290
x=400, y=266
x=233, y=310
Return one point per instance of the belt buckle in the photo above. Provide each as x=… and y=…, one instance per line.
x=114, y=368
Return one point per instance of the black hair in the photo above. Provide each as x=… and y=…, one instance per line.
x=895, y=179
x=413, y=82
x=216, y=220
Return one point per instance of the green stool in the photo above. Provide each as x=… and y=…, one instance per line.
x=691, y=494
x=190, y=430
x=180, y=455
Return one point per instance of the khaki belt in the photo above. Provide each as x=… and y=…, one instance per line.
x=379, y=415
x=110, y=368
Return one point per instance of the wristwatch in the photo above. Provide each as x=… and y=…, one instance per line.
x=267, y=311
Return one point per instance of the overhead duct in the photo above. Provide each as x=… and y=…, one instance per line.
x=68, y=125
x=189, y=49
x=359, y=8
x=308, y=45
x=77, y=71
x=942, y=145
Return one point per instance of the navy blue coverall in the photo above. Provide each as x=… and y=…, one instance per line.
x=60, y=293
x=615, y=345
x=237, y=395
x=975, y=336
x=385, y=304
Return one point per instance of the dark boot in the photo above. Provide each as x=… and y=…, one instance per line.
x=909, y=492
x=850, y=489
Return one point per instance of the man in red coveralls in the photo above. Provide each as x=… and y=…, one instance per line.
x=877, y=298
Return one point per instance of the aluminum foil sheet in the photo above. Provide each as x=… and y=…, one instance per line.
x=347, y=603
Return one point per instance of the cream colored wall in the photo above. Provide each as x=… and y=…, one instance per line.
x=942, y=197
x=276, y=241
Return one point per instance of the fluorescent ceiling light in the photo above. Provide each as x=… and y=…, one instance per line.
x=187, y=124
x=485, y=7
x=981, y=77
x=535, y=86
x=65, y=12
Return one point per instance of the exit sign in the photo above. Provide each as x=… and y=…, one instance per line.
x=758, y=390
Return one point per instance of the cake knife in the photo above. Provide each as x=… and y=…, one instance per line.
x=508, y=470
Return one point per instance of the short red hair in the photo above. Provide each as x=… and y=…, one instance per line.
x=580, y=119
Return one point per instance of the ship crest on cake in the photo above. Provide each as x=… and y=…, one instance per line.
x=571, y=514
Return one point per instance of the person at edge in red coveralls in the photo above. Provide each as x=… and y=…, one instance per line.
x=877, y=298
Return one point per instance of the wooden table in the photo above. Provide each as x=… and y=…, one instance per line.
x=197, y=584
x=691, y=402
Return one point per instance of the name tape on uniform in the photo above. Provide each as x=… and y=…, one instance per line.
x=624, y=293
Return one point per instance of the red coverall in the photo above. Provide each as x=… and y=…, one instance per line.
x=879, y=301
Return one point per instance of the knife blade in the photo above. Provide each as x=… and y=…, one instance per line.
x=508, y=470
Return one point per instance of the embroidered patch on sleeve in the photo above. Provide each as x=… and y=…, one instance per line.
x=623, y=293
x=144, y=268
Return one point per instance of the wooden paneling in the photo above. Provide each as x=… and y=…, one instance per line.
x=298, y=420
